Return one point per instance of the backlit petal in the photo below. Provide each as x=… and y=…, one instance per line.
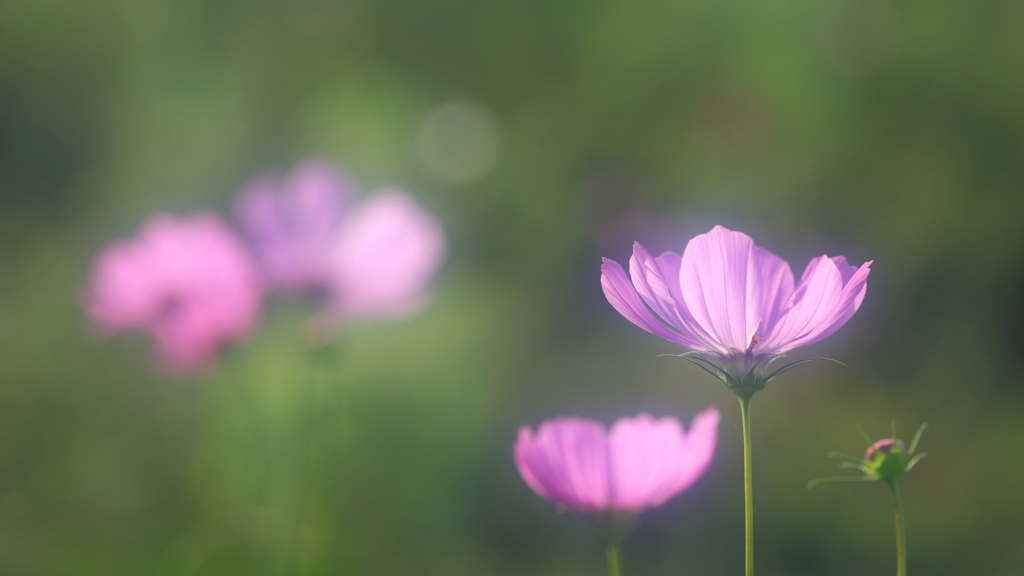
x=656, y=280
x=623, y=297
x=568, y=460
x=812, y=303
x=718, y=279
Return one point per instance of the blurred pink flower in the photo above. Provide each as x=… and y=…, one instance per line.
x=188, y=282
x=290, y=221
x=383, y=256
x=370, y=259
x=640, y=463
x=728, y=298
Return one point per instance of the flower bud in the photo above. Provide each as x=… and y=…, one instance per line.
x=884, y=459
x=884, y=447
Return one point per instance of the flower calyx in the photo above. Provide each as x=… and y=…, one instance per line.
x=744, y=374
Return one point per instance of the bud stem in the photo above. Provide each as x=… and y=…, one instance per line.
x=901, y=529
x=748, y=481
x=612, y=553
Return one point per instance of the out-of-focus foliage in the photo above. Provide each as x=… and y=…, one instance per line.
x=891, y=131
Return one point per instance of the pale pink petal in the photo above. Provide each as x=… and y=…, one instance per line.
x=653, y=460
x=695, y=456
x=773, y=290
x=644, y=454
x=718, y=278
x=656, y=280
x=848, y=303
x=188, y=282
x=813, y=301
x=122, y=295
x=383, y=256
x=524, y=454
x=729, y=298
x=623, y=297
x=568, y=461
x=846, y=271
x=291, y=221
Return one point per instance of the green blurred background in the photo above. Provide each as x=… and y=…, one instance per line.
x=891, y=131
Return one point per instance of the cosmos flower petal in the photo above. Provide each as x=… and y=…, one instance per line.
x=774, y=288
x=290, y=221
x=188, y=282
x=813, y=301
x=696, y=454
x=849, y=301
x=728, y=298
x=643, y=457
x=639, y=463
x=383, y=256
x=718, y=280
x=568, y=460
x=656, y=280
x=623, y=297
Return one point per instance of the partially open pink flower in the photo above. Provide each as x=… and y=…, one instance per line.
x=187, y=281
x=383, y=256
x=640, y=463
x=728, y=298
x=290, y=221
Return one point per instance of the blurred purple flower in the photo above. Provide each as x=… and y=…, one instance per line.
x=188, y=282
x=371, y=259
x=290, y=221
x=640, y=463
x=727, y=298
x=383, y=256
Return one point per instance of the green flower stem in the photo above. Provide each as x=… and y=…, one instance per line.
x=748, y=481
x=901, y=529
x=612, y=553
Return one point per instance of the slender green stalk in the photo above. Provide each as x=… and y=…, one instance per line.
x=612, y=553
x=901, y=529
x=748, y=481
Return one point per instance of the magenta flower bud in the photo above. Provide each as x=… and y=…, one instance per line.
x=884, y=446
x=290, y=222
x=188, y=282
x=729, y=299
x=640, y=463
x=885, y=459
x=383, y=256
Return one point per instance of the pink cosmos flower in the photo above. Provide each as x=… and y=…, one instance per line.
x=290, y=221
x=373, y=258
x=188, y=282
x=640, y=463
x=727, y=298
x=383, y=256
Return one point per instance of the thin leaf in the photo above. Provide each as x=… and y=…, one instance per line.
x=693, y=355
x=792, y=365
x=702, y=358
x=833, y=479
x=864, y=435
x=846, y=457
x=917, y=438
x=860, y=467
x=702, y=367
x=914, y=461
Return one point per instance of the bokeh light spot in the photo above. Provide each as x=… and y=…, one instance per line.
x=458, y=142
